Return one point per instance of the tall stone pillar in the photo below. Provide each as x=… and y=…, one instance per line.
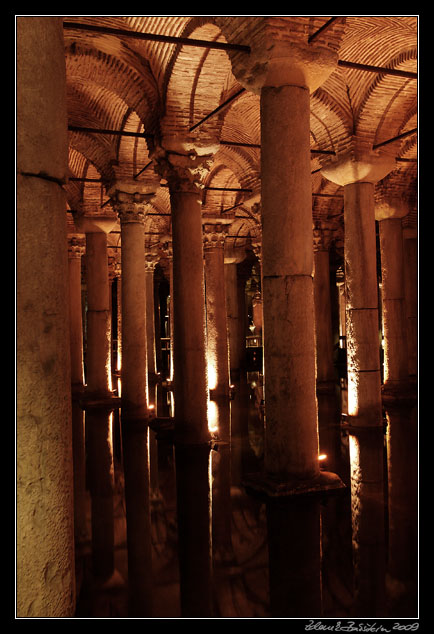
x=150, y=264
x=184, y=168
x=98, y=400
x=232, y=258
x=410, y=251
x=215, y=230
x=389, y=212
x=130, y=203
x=76, y=250
x=44, y=503
x=357, y=174
x=326, y=380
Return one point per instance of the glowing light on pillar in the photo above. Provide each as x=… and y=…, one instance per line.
x=119, y=386
x=212, y=374
x=213, y=417
x=322, y=456
x=353, y=394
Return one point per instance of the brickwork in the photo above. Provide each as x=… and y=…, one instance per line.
x=165, y=88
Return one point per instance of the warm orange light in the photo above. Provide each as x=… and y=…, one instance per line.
x=213, y=417
x=322, y=456
x=151, y=406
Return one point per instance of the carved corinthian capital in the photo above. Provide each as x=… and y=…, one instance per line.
x=183, y=165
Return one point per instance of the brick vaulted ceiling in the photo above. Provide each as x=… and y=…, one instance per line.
x=139, y=85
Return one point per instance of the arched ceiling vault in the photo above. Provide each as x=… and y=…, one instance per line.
x=125, y=84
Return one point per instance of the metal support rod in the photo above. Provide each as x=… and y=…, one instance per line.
x=143, y=135
x=324, y=27
x=155, y=37
x=218, y=109
x=377, y=69
x=395, y=138
x=143, y=169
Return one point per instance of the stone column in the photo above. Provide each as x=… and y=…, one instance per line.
x=410, y=251
x=98, y=400
x=215, y=230
x=291, y=449
x=130, y=203
x=326, y=380
x=184, y=168
x=232, y=258
x=44, y=504
x=75, y=252
x=150, y=264
x=389, y=212
x=357, y=176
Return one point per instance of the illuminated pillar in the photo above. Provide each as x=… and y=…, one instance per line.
x=131, y=208
x=363, y=360
x=215, y=230
x=389, y=212
x=45, y=581
x=184, y=170
x=410, y=251
x=364, y=381
x=98, y=400
x=291, y=449
x=234, y=311
x=75, y=253
x=150, y=264
x=328, y=407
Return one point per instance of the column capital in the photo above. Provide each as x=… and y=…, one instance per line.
x=151, y=261
x=215, y=230
x=391, y=206
x=322, y=237
x=184, y=163
x=90, y=218
x=280, y=54
x=130, y=199
x=358, y=167
x=76, y=247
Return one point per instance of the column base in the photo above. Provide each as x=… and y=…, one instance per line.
x=99, y=401
x=269, y=485
x=399, y=392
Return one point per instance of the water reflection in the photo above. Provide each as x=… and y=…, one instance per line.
x=218, y=551
x=401, y=579
x=368, y=520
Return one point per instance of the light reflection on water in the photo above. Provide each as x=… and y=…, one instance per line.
x=229, y=554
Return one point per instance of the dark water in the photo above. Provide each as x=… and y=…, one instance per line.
x=231, y=554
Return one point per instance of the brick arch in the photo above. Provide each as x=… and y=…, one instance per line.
x=195, y=81
x=387, y=102
x=138, y=90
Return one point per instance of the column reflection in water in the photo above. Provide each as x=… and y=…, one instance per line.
x=368, y=520
x=135, y=443
x=294, y=547
x=239, y=428
x=194, y=512
x=101, y=488
x=402, y=460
